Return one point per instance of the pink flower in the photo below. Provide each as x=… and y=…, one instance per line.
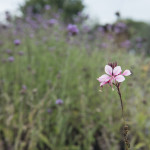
x=114, y=75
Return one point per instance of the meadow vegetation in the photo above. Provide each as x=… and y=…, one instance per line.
x=49, y=93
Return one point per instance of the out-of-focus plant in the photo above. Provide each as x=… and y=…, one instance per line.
x=70, y=8
x=48, y=91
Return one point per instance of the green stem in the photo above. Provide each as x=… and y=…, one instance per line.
x=122, y=107
x=125, y=130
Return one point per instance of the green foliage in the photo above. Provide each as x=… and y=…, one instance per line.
x=140, y=29
x=70, y=8
x=56, y=66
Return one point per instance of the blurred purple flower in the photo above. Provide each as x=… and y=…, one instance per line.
x=121, y=25
x=79, y=13
x=76, y=19
x=47, y=7
x=57, y=15
x=117, y=30
x=8, y=51
x=73, y=29
x=23, y=90
x=139, y=42
x=59, y=102
x=24, y=87
x=20, y=53
x=52, y=21
x=104, y=45
x=110, y=37
x=11, y=59
x=17, y=42
x=101, y=29
x=31, y=35
x=139, y=45
x=28, y=19
x=126, y=44
x=49, y=110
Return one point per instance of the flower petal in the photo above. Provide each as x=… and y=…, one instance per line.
x=104, y=78
x=126, y=73
x=120, y=78
x=108, y=70
x=117, y=70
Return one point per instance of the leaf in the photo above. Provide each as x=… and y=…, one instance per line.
x=139, y=145
x=44, y=139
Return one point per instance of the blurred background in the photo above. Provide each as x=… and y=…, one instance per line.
x=51, y=54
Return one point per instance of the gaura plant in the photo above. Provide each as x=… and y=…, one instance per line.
x=114, y=77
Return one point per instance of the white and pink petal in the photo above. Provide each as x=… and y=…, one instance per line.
x=120, y=78
x=104, y=78
x=117, y=70
x=108, y=70
x=126, y=73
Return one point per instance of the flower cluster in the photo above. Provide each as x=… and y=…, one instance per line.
x=52, y=21
x=73, y=29
x=17, y=42
x=114, y=75
x=59, y=102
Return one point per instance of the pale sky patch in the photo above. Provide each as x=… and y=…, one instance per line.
x=104, y=9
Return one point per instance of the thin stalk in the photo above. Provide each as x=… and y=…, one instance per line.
x=125, y=128
x=122, y=107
